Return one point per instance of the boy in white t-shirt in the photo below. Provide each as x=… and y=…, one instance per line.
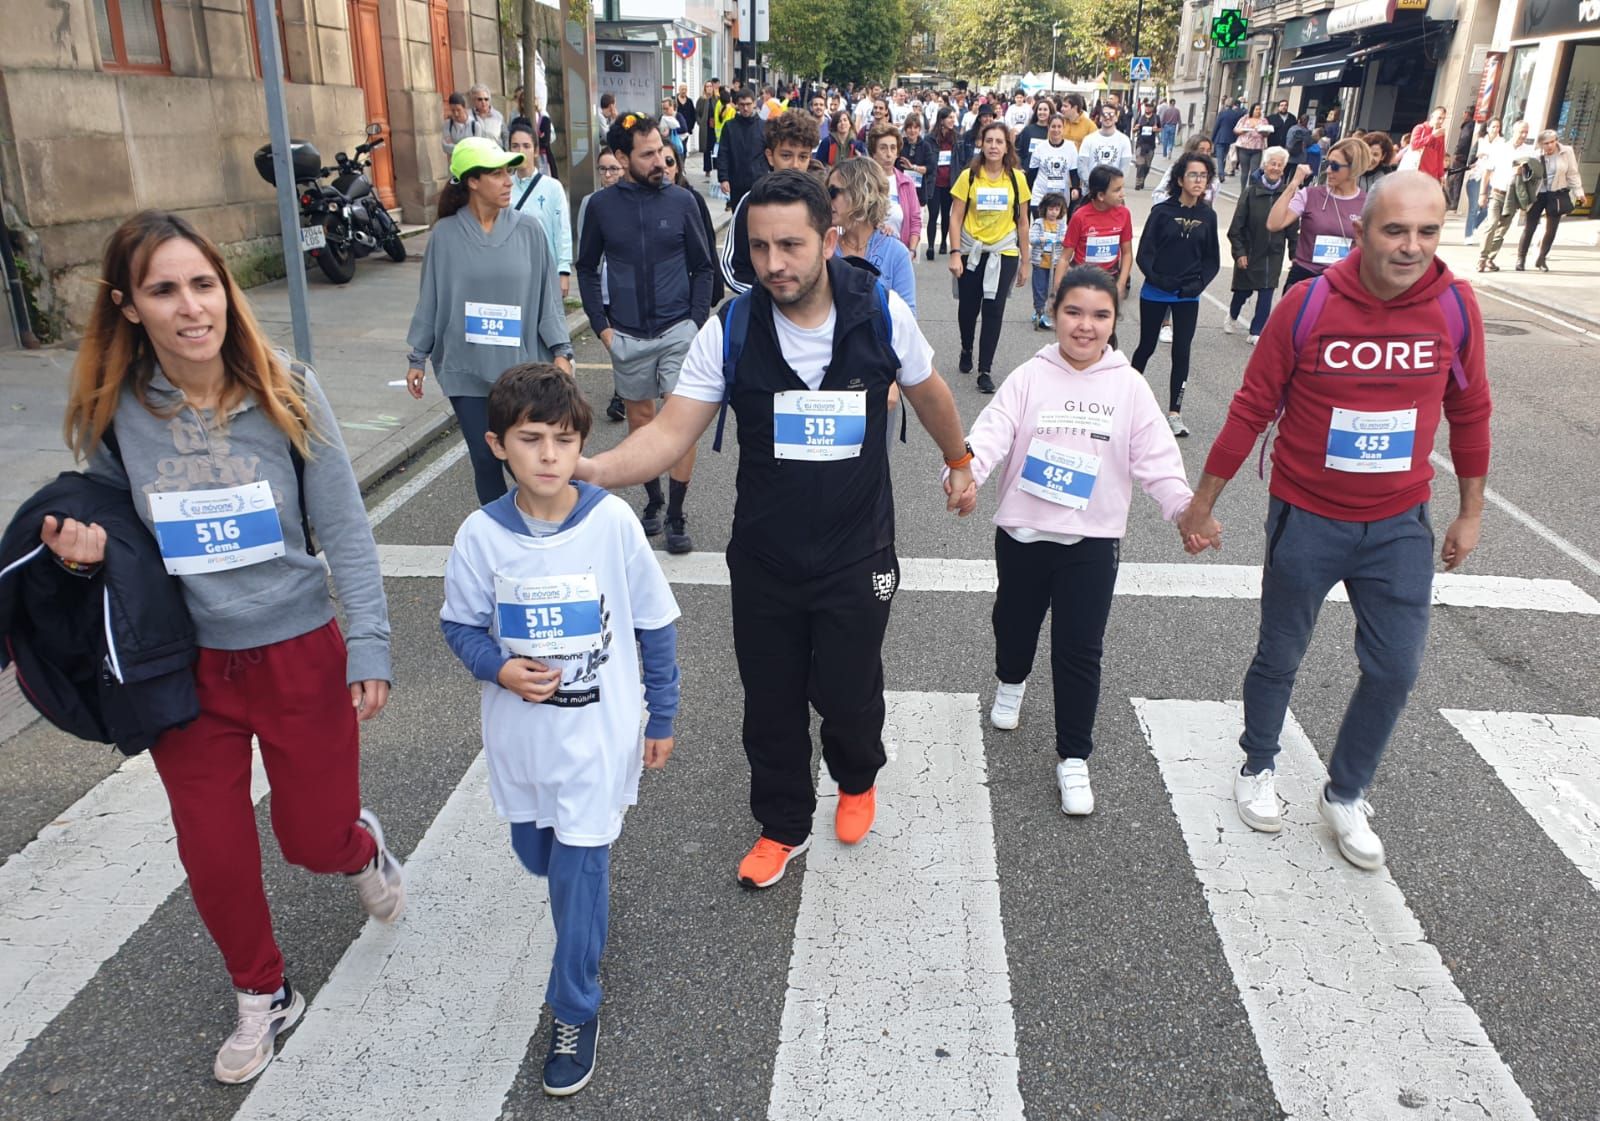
x=554, y=600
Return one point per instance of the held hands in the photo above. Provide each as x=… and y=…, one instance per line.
x=1199, y=530
x=961, y=492
x=657, y=752
x=73, y=541
x=368, y=698
x=1459, y=540
x=531, y=680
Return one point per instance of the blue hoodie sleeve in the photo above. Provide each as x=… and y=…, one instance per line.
x=658, y=650
x=469, y=609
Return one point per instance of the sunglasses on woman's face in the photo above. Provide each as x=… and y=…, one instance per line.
x=834, y=192
x=1335, y=165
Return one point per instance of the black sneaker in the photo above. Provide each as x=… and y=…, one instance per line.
x=966, y=362
x=985, y=383
x=651, y=519
x=678, y=540
x=616, y=410
x=570, y=1064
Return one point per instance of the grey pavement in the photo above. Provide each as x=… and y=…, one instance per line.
x=1124, y=1001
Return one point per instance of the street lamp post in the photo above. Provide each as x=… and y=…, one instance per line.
x=1133, y=83
x=1055, y=34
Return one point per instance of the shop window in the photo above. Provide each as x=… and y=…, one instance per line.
x=255, y=41
x=1519, y=84
x=132, y=36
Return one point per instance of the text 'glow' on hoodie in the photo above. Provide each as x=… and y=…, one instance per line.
x=1121, y=424
x=1366, y=355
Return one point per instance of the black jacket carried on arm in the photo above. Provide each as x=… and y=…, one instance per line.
x=1179, y=251
x=108, y=656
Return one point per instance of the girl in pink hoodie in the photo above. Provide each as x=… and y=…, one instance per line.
x=1067, y=435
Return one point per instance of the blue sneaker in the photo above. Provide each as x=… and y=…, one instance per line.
x=570, y=1063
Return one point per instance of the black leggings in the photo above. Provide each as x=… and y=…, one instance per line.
x=970, y=289
x=1184, y=318
x=1546, y=205
x=938, y=218
x=1075, y=583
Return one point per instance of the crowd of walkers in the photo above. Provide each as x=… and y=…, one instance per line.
x=831, y=194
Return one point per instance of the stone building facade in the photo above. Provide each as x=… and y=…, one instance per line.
x=108, y=107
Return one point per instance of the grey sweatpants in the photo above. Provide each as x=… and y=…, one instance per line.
x=1387, y=568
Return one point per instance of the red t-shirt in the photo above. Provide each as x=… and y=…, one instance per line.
x=1362, y=399
x=1100, y=237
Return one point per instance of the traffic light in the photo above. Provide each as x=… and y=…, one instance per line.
x=1229, y=28
x=1111, y=52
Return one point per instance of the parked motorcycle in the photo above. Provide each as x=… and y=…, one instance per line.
x=343, y=221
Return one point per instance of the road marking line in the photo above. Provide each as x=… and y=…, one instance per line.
x=899, y=999
x=79, y=890
x=414, y=485
x=1197, y=581
x=1493, y=293
x=430, y=1017
x=1551, y=763
x=1527, y=519
x=1354, y=1011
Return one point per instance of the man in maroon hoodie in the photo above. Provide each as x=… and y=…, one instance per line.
x=1361, y=397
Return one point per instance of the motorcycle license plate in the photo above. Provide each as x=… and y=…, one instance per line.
x=312, y=237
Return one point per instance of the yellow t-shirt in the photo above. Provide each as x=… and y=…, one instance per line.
x=992, y=205
x=1077, y=130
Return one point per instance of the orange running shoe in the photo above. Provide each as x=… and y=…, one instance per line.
x=854, y=816
x=765, y=864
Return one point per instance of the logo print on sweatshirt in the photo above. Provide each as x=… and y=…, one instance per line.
x=883, y=584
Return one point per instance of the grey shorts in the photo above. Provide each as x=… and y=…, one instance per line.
x=647, y=369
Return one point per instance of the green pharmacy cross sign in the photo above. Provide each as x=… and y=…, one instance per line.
x=1229, y=28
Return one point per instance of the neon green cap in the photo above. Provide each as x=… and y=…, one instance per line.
x=479, y=153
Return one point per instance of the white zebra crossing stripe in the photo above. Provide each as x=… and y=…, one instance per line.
x=1551, y=763
x=79, y=890
x=899, y=999
x=1193, y=580
x=430, y=1017
x=1355, y=1014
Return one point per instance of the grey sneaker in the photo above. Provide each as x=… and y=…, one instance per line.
x=381, y=885
x=1257, y=799
x=1348, y=822
x=1175, y=422
x=262, y=1018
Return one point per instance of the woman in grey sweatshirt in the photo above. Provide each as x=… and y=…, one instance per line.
x=226, y=448
x=490, y=298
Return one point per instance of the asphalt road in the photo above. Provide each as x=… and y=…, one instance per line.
x=1124, y=1002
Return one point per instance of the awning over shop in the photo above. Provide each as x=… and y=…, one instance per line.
x=1317, y=70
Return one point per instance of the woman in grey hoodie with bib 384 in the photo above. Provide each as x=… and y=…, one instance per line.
x=490, y=298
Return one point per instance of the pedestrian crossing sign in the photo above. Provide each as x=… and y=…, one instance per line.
x=1139, y=68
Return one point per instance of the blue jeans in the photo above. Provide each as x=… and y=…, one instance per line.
x=580, y=904
x=1041, y=289
x=1387, y=567
x=1475, y=210
x=488, y=472
x=1169, y=136
x=1258, y=321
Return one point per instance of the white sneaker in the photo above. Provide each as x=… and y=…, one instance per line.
x=1077, y=797
x=1348, y=821
x=381, y=885
x=1166, y=332
x=262, y=1018
x=1252, y=339
x=1230, y=325
x=1007, y=711
x=1175, y=422
x=1257, y=799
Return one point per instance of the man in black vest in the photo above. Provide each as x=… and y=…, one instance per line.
x=811, y=560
